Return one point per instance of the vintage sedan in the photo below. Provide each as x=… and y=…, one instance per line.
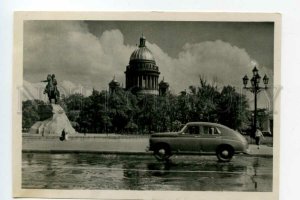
x=201, y=138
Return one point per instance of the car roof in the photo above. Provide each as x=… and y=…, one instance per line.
x=206, y=123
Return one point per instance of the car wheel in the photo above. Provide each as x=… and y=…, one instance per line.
x=225, y=153
x=162, y=152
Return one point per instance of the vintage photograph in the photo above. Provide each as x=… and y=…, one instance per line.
x=146, y=102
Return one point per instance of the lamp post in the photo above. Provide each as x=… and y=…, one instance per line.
x=255, y=89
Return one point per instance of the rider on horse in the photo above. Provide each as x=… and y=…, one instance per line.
x=51, y=88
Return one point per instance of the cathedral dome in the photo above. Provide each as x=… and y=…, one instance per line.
x=142, y=53
x=142, y=73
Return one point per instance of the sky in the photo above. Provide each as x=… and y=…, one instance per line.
x=88, y=54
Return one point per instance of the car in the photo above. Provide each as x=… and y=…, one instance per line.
x=201, y=138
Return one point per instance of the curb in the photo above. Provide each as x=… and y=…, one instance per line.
x=85, y=151
x=256, y=155
x=126, y=153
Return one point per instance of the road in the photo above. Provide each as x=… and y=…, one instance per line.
x=101, y=143
x=144, y=172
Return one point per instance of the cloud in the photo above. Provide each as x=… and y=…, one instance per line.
x=218, y=62
x=32, y=91
x=215, y=60
x=70, y=51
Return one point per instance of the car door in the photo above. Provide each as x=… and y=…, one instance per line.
x=210, y=138
x=189, y=139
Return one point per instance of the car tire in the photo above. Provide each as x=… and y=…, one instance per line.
x=225, y=153
x=162, y=152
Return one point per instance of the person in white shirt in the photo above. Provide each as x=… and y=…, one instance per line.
x=258, y=136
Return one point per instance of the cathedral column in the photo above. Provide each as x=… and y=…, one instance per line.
x=146, y=81
x=134, y=81
x=153, y=82
x=150, y=82
x=140, y=81
x=143, y=84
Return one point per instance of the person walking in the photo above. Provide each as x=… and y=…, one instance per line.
x=63, y=135
x=258, y=136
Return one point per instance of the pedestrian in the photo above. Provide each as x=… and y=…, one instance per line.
x=258, y=136
x=63, y=135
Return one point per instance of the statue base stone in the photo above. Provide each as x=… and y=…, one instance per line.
x=54, y=125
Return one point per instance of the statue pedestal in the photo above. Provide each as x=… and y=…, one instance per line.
x=54, y=125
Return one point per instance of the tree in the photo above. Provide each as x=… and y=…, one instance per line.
x=29, y=114
x=93, y=115
x=146, y=114
x=121, y=108
x=33, y=111
x=233, y=108
x=162, y=114
x=73, y=106
x=208, y=99
x=183, y=107
x=74, y=101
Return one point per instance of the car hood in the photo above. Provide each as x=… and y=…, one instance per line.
x=166, y=134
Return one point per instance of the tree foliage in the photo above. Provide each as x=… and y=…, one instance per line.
x=33, y=111
x=121, y=111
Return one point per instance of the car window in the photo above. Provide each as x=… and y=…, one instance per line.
x=209, y=130
x=192, y=129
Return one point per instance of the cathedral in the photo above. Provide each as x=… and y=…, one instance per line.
x=142, y=73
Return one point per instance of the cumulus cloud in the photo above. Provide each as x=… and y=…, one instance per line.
x=71, y=52
x=31, y=91
x=216, y=60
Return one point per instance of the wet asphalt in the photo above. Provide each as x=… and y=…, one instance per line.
x=144, y=172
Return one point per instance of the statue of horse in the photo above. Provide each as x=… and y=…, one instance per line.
x=51, y=89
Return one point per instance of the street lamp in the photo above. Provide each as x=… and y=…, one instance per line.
x=255, y=89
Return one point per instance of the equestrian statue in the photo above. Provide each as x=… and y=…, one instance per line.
x=51, y=88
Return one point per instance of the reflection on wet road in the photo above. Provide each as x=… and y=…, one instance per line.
x=143, y=172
